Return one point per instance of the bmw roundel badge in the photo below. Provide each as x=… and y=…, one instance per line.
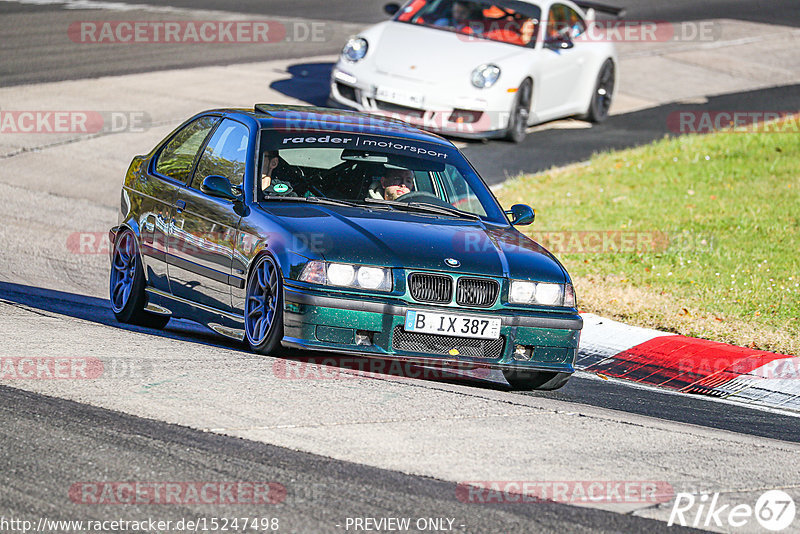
x=452, y=262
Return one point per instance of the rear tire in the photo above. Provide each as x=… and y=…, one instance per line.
x=536, y=380
x=518, y=122
x=127, y=283
x=603, y=94
x=263, y=308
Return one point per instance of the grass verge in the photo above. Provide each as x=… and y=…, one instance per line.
x=698, y=235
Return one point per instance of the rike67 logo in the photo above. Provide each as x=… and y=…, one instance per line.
x=774, y=510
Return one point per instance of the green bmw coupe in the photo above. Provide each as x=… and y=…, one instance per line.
x=325, y=230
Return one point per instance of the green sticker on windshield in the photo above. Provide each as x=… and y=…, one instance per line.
x=281, y=188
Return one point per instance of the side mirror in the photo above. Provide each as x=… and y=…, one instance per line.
x=562, y=41
x=391, y=9
x=521, y=214
x=219, y=187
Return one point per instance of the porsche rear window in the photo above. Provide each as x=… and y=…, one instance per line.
x=507, y=21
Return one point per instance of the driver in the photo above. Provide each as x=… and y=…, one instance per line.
x=270, y=185
x=395, y=184
x=461, y=14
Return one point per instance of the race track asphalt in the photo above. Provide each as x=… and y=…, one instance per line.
x=49, y=443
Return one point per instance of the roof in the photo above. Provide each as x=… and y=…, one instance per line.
x=298, y=118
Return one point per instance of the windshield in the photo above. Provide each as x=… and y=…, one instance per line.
x=507, y=21
x=374, y=172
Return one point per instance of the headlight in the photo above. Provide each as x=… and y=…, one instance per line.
x=545, y=294
x=522, y=292
x=371, y=277
x=549, y=294
x=341, y=274
x=347, y=275
x=355, y=49
x=485, y=76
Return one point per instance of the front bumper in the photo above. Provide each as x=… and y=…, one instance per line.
x=317, y=321
x=481, y=117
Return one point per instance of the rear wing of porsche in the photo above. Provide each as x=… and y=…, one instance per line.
x=614, y=11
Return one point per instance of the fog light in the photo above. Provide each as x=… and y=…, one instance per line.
x=363, y=337
x=523, y=353
x=465, y=116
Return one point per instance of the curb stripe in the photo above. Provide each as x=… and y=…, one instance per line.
x=689, y=365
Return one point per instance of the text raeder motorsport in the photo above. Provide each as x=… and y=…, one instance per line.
x=364, y=143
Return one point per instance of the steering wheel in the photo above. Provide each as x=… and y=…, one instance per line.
x=422, y=196
x=290, y=172
x=323, y=175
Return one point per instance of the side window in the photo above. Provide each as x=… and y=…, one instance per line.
x=176, y=159
x=557, y=20
x=424, y=182
x=459, y=193
x=576, y=23
x=225, y=154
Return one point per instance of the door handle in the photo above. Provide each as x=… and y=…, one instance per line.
x=180, y=205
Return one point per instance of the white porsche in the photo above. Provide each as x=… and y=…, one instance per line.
x=480, y=69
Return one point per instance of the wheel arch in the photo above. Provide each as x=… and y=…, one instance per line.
x=530, y=78
x=127, y=225
x=263, y=251
x=133, y=225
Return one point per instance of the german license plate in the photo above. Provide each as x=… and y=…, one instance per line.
x=396, y=96
x=446, y=324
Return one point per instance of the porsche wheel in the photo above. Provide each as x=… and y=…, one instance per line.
x=518, y=122
x=263, y=309
x=536, y=380
x=603, y=93
x=126, y=285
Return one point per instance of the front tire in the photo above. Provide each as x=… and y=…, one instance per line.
x=127, y=283
x=600, y=103
x=263, y=309
x=536, y=380
x=518, y=122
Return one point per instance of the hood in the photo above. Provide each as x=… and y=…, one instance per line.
x=430, y=55
x=412, y=241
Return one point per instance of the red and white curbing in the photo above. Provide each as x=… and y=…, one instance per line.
x=688, y=364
